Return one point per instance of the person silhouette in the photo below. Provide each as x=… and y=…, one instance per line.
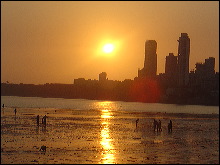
x=44, y=120
x=38, y=120
x=137, y=122
x=159, y=126
x=155, y=125
x=170, y=125
x=15, y=111
x=3, y=105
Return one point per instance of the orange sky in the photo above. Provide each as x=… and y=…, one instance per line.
x=56, y=42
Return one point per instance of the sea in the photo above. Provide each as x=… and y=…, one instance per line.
x=84, y=104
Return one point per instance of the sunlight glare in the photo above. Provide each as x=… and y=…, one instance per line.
x=108, y=48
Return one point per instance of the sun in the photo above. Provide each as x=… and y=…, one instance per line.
x=108, y=48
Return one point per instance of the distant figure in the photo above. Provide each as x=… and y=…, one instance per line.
x=159, y=126
x=15, y=111
x=43, y=148
x=137, y=122
x=44, y=120
x=38, y=120
x=3, y=105
x=155, y=125
x=170, y=125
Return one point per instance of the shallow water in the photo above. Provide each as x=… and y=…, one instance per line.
x=82, y=104
x=104, y=135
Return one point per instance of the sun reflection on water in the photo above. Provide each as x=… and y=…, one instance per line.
x=106, y=140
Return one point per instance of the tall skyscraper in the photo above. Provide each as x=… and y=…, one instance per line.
x=183, y=59
x=171, y=65
x=150, y=63
x=171, y=69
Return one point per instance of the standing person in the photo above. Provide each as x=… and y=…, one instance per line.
x=42, y=120
x=170, y=125
x=15, y=111
x=155, y=125
x=3, y=106
x=159, y=126
x=137, y=122
x=45, y=119
x=38, y=120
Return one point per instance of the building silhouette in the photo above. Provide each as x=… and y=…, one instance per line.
x=171, y=69
x=204, y=76
x=183, y=59
x=102, y=76
x=150, y=62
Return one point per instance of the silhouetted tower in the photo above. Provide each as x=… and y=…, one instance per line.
x=183, y=59
x=102, y=76
x=171, y=69
x=150, y=62
x=210, y=67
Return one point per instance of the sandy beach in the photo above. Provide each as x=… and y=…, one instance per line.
x=104, y=136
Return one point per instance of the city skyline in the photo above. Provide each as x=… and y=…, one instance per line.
x=41, y=44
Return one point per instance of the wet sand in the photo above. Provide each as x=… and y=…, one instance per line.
x=103, y=136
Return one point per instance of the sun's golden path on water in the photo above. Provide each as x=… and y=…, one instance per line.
x=106, y=140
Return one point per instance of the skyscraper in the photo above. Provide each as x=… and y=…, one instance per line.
x=183, y=59
x=171, y=69
x=150, y=62
x=171, y=65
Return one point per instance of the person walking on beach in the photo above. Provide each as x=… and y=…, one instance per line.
x=170, y=125
x=155, y=125
x=38, y=120
x=15, y=111
x=159, y=126
x=44, y=120
x=137, y=122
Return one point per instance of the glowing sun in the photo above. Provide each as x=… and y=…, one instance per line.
x=108, y=48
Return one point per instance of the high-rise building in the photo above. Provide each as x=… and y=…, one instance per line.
x=183, y=59
x=171, y=65
x=210, y=67
x=150, y=62
x=171, y=69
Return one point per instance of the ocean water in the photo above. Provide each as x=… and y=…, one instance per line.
x=83, y=104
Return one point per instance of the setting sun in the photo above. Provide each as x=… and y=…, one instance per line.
x=108, y=48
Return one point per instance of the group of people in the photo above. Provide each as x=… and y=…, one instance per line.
x=157, y=126
x=43, y=120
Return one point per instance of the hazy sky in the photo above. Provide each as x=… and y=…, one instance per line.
x=56, y=42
